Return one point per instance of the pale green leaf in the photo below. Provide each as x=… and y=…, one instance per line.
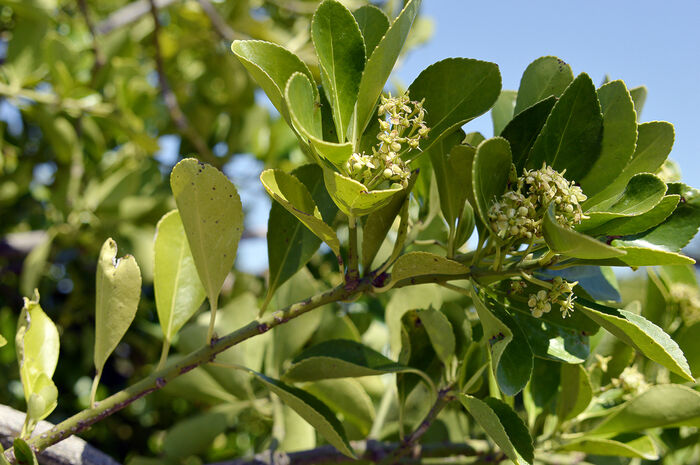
x=639, y=96
x=212, y=215
x=315, y=412
x=440, y=332
x=194, y=435
x=497, y=335
x=347, y=397
x=420, y=264
x=353, y=198
x=43, y=399
x=33, y=266
x=636, y=224
x=544, y=77
x=289, y=192
x=502, y=111
x=117, y=293
x=641, y=334
x=642, y=447
x=576, y=391
x=178, y=290
x=341, y=57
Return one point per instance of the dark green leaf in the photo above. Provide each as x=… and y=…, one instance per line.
x=341, y=57
x=440, y=332
x=373, y=24
x=23, y=453
x=515, y=366
x=522, y=131
x=497, y=335
x=452, y=165
x=544, y=77
x=576, y=391
x=570, y=139
x=553, y=342
x=490, y=172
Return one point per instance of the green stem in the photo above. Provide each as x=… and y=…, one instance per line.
x=164, y=354
x=353, y=275
x=93, y=390
x=213, y=303
x=400, y=240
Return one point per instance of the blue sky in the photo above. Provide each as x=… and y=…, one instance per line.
x=644, y=42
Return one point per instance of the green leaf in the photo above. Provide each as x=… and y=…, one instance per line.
x=641, y=334
x=178, y=290
x=568, y=242
x=642, y=447
x=341, y=58
x=515, y=365
x=340, y=358
x=290, y=244
x=550, y=341
x=440, y=332
x=304, y=106
x=211, y=213
x=373, y=24
x=418, y=352
x=490, y=172
x=271, y=66
x=636, y=224
x=619, y=137
x=639, y=96
x=33, y=266
x=346, y=397
x=37, y=345
x=353, y=198
x=406, y=299
x=689, y=341
x=315, y=412
x=297, y=434
x=117, y=293
x=3, y=341
x=452, y=165
x=502, y=111
x=654, y=142
x=496, y=333
x=198, y=385
x=43, y=399
x=643, y=192
x=379, y=65
x=570, y=139
x=456, y=90
x=576, y=392
x=503, y=426
x=661, y=406
x=23, y=453
x=522, y=131
x=544, y=77
x=418, y=264
x=194, y=435
x=642, y=256
x=289, y=192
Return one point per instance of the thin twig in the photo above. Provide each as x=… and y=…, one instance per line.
x=96, y=50
x=179, y=118
x=220, y=26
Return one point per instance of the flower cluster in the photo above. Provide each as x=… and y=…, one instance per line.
x=631, y=381
x=518, y=213
x=560, y=294
x=688, y=300
x=402, y=124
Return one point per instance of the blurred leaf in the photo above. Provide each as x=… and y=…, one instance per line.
x=641, y=334
x=639, y=96
x=34, y=264
x=497, y=335
x=440, y=332
x=341, y=57
x=117, y=293
x=419, y=264
x=456, y=90
x=503, y=426
x=313, y=411
x=178, y=290
x=544, y=77
x=663, y=405
x=289, y=192
x=522, y=131
x=405, y=299
x=576, y=391
x=619, y=137
x=570, y=139
x=373, y=24
x=194, y=435
x=642, y=447
x=688, y=339
x=379, y=66
x=502, y=111
x=348, y=398
x=23, y=453
x=211, y=213
x=298, y=434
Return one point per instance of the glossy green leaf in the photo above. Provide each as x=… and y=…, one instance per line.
x=440, y=332
x=420, y=264
x=663, y=405
x=456, y=90
x=23, y=453
x=522, y=131
x=639, y=96
x=503, y=426
x=550, y=341
x=353, y=198
x=490, y=173
x=576, y=391
x=271, y=66
x=497, y=334
x=570, y=139
x=304, y=107
x=641, y=334
x=619, y=137
x=315, y=412
x=211, y=213
x=290, y=244
x=178, y=290
x=643, y=192
x=452, y=165
x=642, y=447
x=642, y=256
x=341, y=57
x=654, y=142
x=544, y=77
x=515, y=366
x=379, y=65
x=348, y=398
x=568, y=242
x=502, y=111
x=636, y=224
x=289, y=192
x=339, y=358
x=373, y=24
x=117, y=293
